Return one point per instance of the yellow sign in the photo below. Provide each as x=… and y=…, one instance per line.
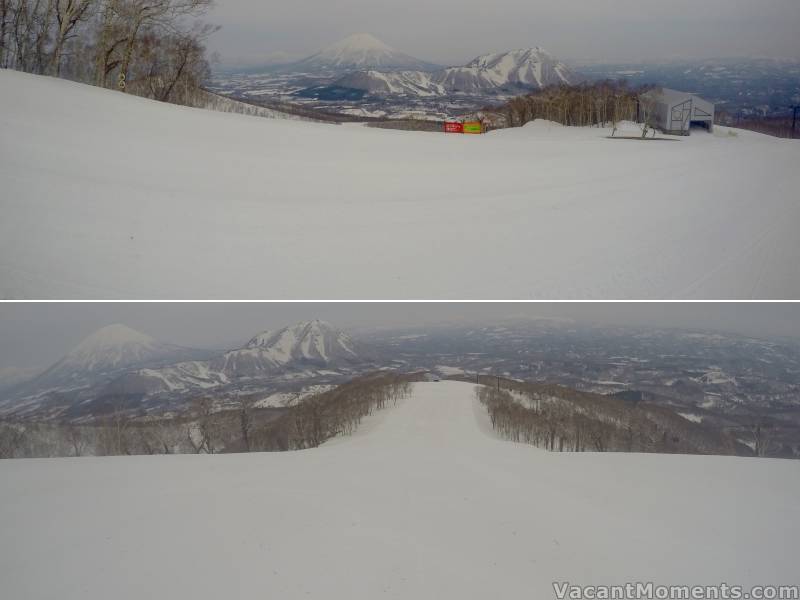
x=473, y=127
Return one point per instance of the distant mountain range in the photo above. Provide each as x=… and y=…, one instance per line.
x=367, y=64
x=361, y=76
x=117, y=361
x=304, y=349
x=722, y=380
x=516, y=70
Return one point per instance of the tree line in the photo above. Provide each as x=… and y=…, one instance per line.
x=151, y=48
x=202, y=428
x=777, y=126
x=339, y=411
x=592, y=104
x=560, y=419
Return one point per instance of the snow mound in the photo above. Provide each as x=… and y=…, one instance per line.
x=420, y=503
x=539, y=124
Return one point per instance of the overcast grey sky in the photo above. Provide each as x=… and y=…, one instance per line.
x=454, y=31
x=38, y=334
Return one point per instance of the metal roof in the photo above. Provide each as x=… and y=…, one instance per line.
x=671, y=96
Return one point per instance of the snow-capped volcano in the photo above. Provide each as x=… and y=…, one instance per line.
x=360, y=51
x=110, y=347
x=513, y=71
x=96, y=360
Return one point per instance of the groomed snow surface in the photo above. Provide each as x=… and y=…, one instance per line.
x=109, y=196
x=423, y=502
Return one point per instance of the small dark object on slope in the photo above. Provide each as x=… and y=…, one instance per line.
x=640, y=138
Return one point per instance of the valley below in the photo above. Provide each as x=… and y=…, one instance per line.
x=355, y=78
x=361, y=77
x=709, y=384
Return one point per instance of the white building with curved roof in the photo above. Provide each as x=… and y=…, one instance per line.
x=675, y=112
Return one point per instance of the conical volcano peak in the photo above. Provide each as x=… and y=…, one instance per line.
x=112, y=336
x=360, y=51
x=359, y=41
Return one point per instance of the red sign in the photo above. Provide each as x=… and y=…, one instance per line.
x=451, y=127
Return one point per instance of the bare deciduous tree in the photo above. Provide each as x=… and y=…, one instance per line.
x=76, y=440
x=12, y=437
x=68, y=13
x=559, y=419
x=762, y=437
x=581, y=105
x=204, y=436
x=246, y=406
x=153, y=47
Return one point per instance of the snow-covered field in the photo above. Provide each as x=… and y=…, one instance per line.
x=108, y=196
x=423, y=502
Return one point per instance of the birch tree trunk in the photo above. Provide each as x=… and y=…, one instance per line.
x=42, y=35
x=5, y=14
x=68, y=14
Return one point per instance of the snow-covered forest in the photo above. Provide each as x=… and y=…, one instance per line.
x=204, y=428
x=560, y=419
x=551, y=417
x=151, y=48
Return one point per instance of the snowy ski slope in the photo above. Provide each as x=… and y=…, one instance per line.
x=423, y=502
x=109, y=196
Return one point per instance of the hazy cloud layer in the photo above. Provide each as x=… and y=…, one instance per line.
x=33, y=335
x=453, y=31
